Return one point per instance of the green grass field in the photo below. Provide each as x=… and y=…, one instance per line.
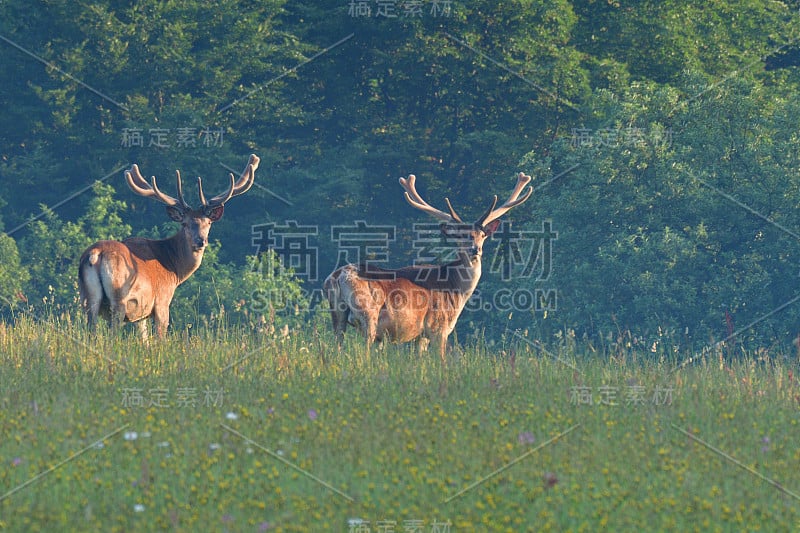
x=230, y=431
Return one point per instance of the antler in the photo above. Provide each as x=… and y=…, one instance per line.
x=139, y=185
x=237, y=187
x=492, y=214
x=413, y=198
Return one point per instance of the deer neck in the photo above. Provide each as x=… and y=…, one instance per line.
x=467, y=271
x=457, y=277
x=462, y=276
x=179, y=257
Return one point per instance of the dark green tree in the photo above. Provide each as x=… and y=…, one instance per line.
x=678, y=213
x=13, y=275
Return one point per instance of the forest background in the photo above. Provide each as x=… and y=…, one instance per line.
x=662, y=137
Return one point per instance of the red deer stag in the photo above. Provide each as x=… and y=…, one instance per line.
x=420, y=302
x=134, y=279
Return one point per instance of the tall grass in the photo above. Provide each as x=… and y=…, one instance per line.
x=236, y=430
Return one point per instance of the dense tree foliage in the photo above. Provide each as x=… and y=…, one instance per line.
x=662, y=135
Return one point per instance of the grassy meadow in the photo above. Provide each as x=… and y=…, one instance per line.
x=234, y=431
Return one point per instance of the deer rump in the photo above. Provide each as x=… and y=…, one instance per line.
x=109, y=279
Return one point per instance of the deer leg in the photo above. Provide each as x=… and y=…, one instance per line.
x=92, y=312
x=339, y=323
x=422, y=344
x=370, y=322
x=91, y=291
x=340, y=312
x=143, y=326
x=441, y=342
x=370, y=332
x=161, y=319
x=116, y=316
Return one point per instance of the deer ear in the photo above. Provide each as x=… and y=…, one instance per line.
x=491, y=227
x=175, y=213
x=215, y=213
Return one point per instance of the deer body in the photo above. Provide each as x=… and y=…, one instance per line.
x=134, y=279
x=399, y=310
x=420, y=302
x=128, y=280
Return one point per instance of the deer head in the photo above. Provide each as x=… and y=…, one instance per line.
x=469, y=237
x=196, y=223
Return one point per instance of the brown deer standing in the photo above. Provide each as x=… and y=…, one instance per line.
x=134, y=279
x=420, y=302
